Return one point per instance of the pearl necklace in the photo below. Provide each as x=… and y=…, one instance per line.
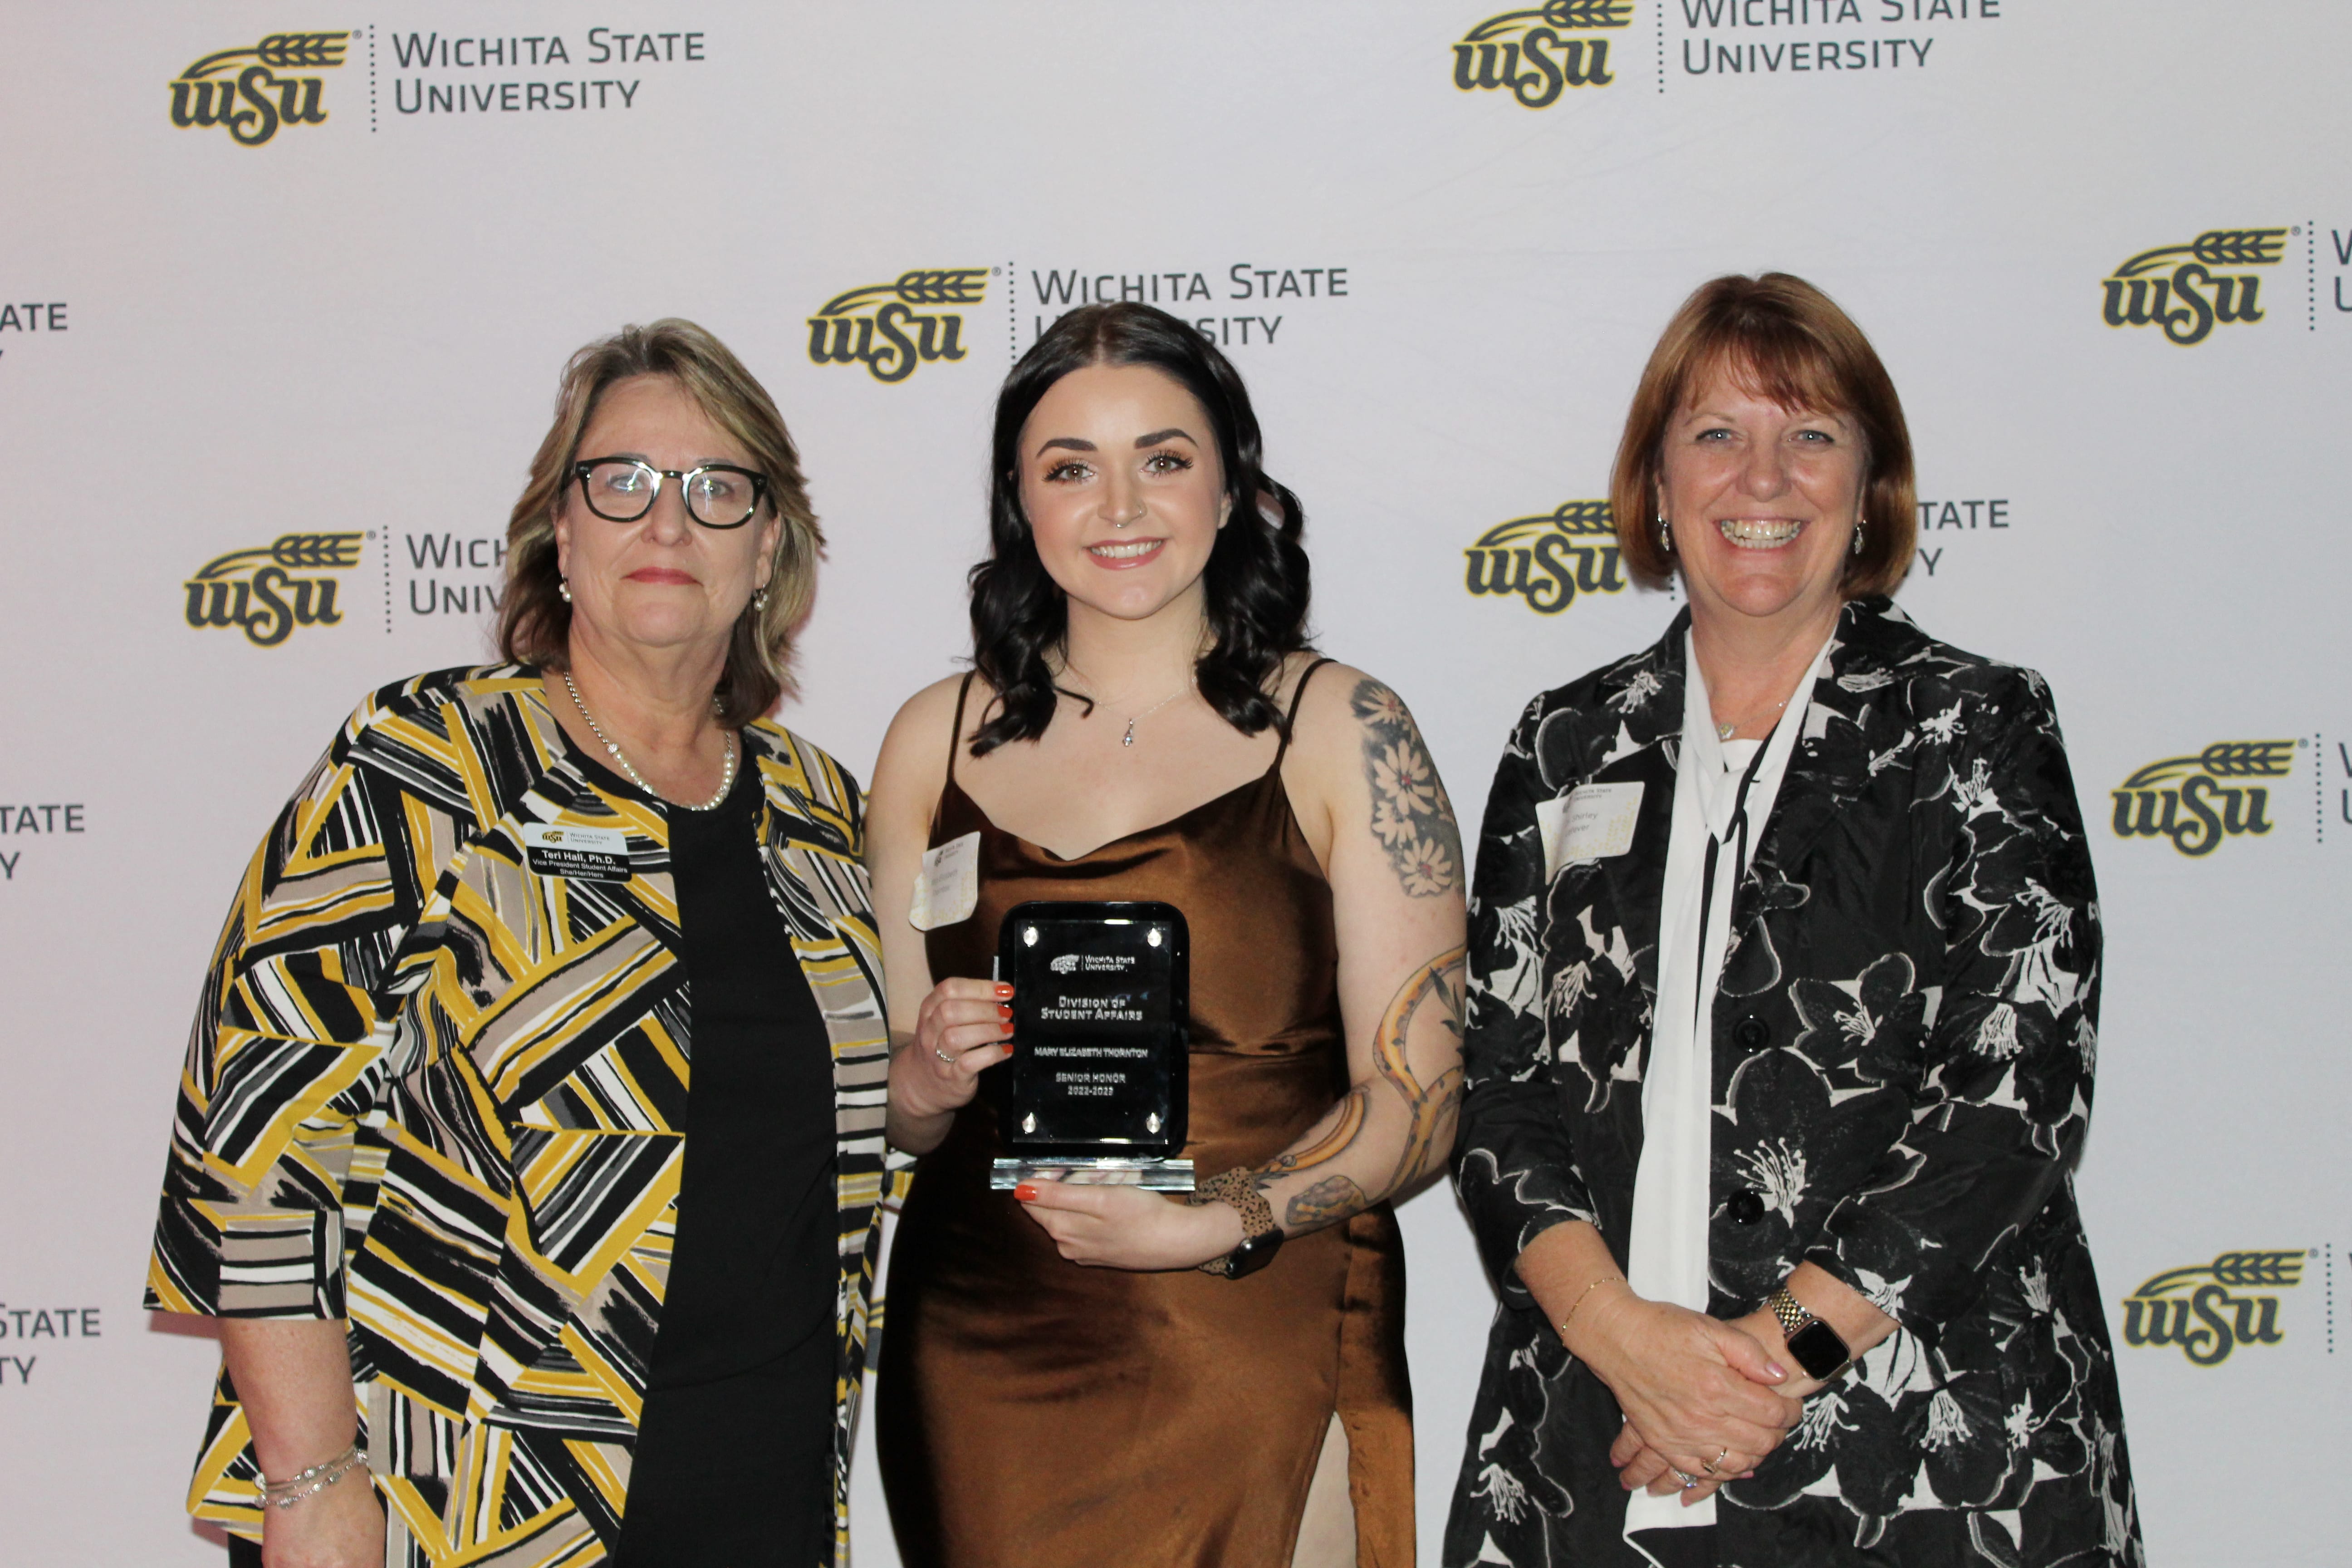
x=726, y=777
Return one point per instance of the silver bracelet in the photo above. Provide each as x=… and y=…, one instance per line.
x=317, y=1478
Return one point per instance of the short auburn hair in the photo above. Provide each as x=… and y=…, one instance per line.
x=1780, y=339
x=534, y=621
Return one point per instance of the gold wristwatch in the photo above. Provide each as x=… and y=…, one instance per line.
x=1819, y=1349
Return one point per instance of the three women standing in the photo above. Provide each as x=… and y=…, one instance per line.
x=1782, y=990
x=1086, y=1374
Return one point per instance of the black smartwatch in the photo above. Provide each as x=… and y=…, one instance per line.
x=1250, y=1256
x=1819, y=1349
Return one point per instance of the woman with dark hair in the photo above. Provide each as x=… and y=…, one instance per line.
x=1083, y=1374
x=1784, y=992
x=526, y=1149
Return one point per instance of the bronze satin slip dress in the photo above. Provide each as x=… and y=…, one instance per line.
x=1036, y=1414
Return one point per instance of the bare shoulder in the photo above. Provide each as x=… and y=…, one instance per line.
x=1367, y=756
x=914, y=756
x=1342, y=708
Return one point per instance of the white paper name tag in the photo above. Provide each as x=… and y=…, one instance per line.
x=946, y=890
x=1592, y=822
x=591, y=854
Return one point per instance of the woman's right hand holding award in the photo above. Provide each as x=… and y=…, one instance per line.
x=962, y=1027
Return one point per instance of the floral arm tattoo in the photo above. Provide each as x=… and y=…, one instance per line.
x=1430, y=998
x=1411, y=816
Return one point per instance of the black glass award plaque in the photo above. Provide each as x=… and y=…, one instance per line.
x=1096, y=1089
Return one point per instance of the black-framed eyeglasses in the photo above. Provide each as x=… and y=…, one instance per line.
x=623, y=489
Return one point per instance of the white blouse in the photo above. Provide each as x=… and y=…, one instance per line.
x=1723, y=791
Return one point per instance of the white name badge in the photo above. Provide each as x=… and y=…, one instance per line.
x=591, y=854
x=946, y=890
x=1591, y=823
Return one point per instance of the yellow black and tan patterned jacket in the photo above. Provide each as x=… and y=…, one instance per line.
x=440, y=1095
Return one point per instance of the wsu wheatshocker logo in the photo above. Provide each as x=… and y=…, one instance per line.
x=2208, y=1309
x=2201, y=800
x=890, y=327
x=1549, y=560
x=256, y=591
x=2183, y=291
x=1535, y=55
x=250, y=101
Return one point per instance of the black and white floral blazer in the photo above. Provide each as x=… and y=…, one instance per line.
x=1903, y=1043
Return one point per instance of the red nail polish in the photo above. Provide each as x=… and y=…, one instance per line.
x=1026, y=1192
x=1003, y=990
x=1003, y=1011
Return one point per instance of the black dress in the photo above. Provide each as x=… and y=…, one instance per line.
x=734, y=1455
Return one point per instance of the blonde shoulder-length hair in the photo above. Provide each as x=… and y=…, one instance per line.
x=534, y=621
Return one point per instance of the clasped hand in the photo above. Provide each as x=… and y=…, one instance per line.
x=1699, y=1396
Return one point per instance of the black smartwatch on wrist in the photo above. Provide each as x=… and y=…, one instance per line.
x=1820, y=1350
x=1250, y=1256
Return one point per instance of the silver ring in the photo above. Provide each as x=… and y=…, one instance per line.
x=943, y=1056
x=1689, y=1482
x=1711, y=1467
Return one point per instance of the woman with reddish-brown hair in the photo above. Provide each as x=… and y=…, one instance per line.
x=1784, y=983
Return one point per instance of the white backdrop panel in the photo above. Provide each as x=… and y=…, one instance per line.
x=1441, y=296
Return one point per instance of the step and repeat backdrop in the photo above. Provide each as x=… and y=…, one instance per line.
x=284, y=292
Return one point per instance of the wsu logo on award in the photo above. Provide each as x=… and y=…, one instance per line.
x=1533, y=54
x=1549, y=560
x=256, y=592
x=251, y=101
x=2198, y=802
x=890, y=327
x=2201, y=1311
x=2181, y=288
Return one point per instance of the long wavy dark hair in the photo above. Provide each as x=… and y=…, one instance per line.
x=1255, y=583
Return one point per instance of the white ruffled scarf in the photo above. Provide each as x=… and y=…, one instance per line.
x=1723, y=793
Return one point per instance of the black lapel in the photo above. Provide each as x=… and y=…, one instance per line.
x=1831, y=766
x=1653, y=731
x=1637, y=879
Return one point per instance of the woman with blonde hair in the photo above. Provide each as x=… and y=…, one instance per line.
x=530, y=1137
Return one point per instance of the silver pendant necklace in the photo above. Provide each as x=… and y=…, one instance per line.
x=726, y=776
x=1724, y=731
x=1128, y=739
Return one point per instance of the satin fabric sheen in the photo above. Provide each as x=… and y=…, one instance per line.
x=1040, y=1413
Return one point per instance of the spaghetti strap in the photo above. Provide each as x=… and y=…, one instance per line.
x=955, y=736
x=1290, y=719
x=1005, y=1346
